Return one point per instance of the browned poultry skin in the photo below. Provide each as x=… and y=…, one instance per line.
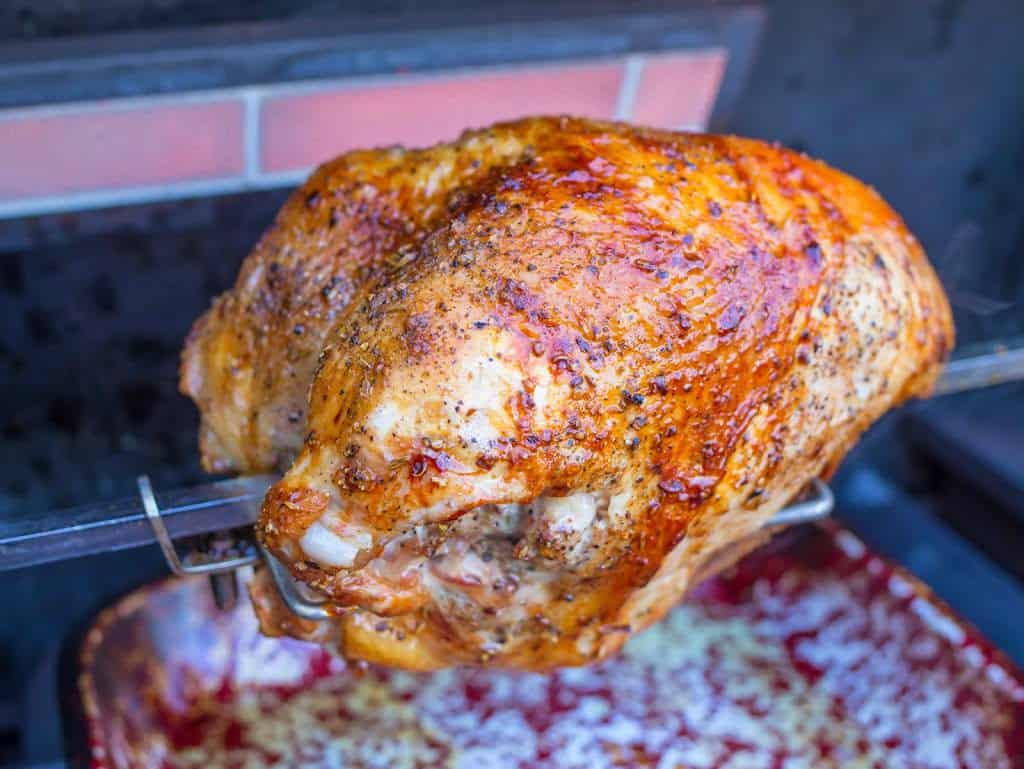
x=604, y=355
x=248, y=361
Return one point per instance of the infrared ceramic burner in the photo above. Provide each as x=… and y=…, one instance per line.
x=811, y=653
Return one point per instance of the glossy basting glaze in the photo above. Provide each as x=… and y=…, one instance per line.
x=555, y=370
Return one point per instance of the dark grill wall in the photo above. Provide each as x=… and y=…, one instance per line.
x=92, y=329
x=923, y=100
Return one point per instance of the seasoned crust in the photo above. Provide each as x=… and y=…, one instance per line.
x=673, y=332
x=249, y=360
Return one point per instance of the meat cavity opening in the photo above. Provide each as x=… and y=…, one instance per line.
x=494, y=557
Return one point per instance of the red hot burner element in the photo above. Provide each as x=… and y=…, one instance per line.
x=811, y=653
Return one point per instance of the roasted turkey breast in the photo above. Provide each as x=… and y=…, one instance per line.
x=532, y=384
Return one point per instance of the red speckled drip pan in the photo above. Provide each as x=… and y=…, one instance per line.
x=811, y=653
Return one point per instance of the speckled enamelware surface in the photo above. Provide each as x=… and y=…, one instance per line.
x=811, y=653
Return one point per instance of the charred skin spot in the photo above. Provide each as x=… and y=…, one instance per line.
x=355, y=476
x=417, y=334
x=813, y=252
x=730, y=318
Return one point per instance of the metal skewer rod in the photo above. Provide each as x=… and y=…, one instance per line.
x=974, y=372
x=124, y=523
x=227, y=504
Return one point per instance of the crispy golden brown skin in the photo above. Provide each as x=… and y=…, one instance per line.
x=564, y=367
x=249, y=360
